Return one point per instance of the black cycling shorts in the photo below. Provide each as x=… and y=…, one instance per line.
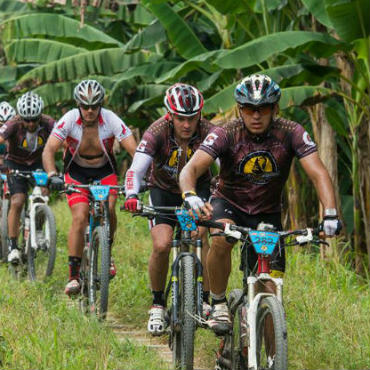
x=223, y=209
x=86, y=175
x=18, y=184
x=159, y=197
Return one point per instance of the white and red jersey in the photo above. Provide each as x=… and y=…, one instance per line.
x=69, y=128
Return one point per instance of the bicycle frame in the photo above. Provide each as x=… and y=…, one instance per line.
x=35, y=200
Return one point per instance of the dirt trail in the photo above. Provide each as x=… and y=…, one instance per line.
x=143, y=338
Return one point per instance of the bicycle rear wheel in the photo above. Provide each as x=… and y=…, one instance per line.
x=4, y=229
x=271, y=334
x=41, y=260
x=98, y=286
x=183, y=339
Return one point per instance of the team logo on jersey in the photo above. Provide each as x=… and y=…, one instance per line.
x=173, y=161
x=258, y=167
x=141, y=147
x=25, y=144
x=210, y=139
x=307, y=139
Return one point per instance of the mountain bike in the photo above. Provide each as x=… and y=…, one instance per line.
x=185, y=285
x=4, y=206
x=96, y=258
x=259, y=336
x=37, y=234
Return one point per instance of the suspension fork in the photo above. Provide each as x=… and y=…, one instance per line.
x=199, y=276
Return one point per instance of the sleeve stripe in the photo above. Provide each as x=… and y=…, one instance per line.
x=58, y=136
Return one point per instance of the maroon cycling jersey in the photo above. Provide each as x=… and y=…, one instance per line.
x=23, y=147
x=253, y=171
x=168, y=158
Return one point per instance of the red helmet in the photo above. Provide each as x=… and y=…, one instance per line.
x=183, y=100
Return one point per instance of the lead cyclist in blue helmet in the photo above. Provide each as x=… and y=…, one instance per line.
x=255, y=150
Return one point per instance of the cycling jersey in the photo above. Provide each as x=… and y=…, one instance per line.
x=168, y=158
x=24, y=147
x=254, y=170
x=70, y=128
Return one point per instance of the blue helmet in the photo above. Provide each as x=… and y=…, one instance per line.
x=257, y=89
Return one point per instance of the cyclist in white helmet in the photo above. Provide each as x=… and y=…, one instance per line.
x=26, y=135
x=7, y=112
x=255, y=151
x=167, y=145
x=89, y=132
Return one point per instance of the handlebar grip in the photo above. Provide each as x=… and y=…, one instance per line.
x=213, y=224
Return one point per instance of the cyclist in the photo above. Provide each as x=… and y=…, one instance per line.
x=255, y=151
x=88, y=133
x=166, y=146
x=26, y=135
x=7, y=112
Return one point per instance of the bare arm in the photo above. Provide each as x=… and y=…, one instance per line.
x=195, y=168
x=48, y=155
x=129, y=144
x=2, y=140
x=320, y=178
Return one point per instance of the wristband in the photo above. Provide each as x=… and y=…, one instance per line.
x=51, y=174
x=188, y=193
x=132, y=196
x=330, y=212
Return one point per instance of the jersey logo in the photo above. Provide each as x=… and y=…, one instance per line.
x=60, y=126
x=210, y=139
x=174, y=158
x=258, y=167
x=141, y=147
x=123, y=129
x=40, y=142
x=307, y=139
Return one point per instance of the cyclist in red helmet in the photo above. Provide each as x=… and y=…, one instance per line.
x=166, y=146
x=255, y=152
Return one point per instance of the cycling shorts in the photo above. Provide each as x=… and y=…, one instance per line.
x=18, y=184
x=159, y=197
x=86, y=175
x=222, y=209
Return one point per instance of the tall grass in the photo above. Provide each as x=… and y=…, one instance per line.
x=40, y=329
x=327, y=307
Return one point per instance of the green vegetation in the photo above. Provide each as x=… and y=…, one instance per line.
x=327, y=308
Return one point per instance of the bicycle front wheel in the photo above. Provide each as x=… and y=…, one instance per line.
x=271, y=332
x=41, y=260
x=183, y=339
x=99, y=264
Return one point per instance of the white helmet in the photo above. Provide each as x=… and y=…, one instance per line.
x=89, y=92
x=30, y=105
x=183, y=100
x=7, y=112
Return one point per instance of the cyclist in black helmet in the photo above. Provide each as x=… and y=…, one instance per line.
x=255, y=151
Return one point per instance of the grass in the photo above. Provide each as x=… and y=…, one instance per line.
x=327, y=307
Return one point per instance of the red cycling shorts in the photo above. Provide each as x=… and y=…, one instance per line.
x=83, y=196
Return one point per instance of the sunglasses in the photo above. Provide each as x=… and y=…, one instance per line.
x=31, y=119
x=87, y=107
x=261, y=109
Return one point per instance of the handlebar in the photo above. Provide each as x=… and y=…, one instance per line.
x=73, y=188
x=302, y=236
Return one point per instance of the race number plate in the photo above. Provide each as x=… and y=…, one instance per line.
x=187, y=222
x=41, y=178
x=264, y=242
x=100, y=192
